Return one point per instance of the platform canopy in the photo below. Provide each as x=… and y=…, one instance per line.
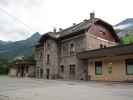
x=106, y=52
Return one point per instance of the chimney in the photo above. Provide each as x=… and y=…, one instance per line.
x=54, y=30
x=74, y=24
x=92, y=15
x=85, y=20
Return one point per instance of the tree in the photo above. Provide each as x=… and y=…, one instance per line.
x=128, y=39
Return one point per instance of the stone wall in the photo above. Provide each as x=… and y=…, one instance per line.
x=50, y=48
x=38, y=55
x=67, y=59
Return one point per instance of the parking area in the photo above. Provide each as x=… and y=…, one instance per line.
x=39, y=89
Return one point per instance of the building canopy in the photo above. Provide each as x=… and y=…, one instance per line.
x=106, y=52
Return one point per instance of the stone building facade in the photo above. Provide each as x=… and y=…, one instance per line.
x=39, y=61
x=56, y=52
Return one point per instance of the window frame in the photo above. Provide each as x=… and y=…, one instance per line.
x=126, y=63
x=41, y=55
x=72, y=49
x=100, y=62
x=105, y=46
x=48, y=59
x=101, y=46
x=62, y=68
x=102, y=32
x=71, y=67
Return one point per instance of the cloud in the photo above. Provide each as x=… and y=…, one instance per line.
x=43, y=15
x=16, y=17
x=4, y=2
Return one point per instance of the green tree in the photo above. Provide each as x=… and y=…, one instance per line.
x=128, y=39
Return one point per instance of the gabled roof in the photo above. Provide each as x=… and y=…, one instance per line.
x=79, y=28
x=75, y=28
x=106, y=52
x=85, y=25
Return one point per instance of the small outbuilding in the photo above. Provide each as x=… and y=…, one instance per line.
x=22, y=68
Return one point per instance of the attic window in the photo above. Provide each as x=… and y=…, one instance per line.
x=103, y=33
x=101, y=46
x=105, y=46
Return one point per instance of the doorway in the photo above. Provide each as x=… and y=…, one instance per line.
x=47, y=73
x=72, y=71
x=22, y=71
x=41, y=73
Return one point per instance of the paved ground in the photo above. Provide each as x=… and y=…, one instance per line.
x=39, y=89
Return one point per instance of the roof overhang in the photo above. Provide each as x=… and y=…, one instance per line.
x=106, y=52
x=73, y=34
x=47, y=35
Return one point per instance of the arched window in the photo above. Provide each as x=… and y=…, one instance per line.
x=62, y=68
x=105, y=46
x=48, y=58
x=103, y=33
x=72, y=49
x=101, y=46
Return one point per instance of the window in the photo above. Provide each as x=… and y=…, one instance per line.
x=62, y=68
x=72, y=49
x=64, y=50
x=98, y=68
x=129, y=67
x=72, y=69
x=105, y=46
x=101, y=46
x=103, y=33
x=48, y=59
x=41, y=55
x=48, y=45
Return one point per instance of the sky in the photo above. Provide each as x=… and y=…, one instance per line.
x=19, y=19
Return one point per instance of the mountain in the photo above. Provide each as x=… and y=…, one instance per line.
x=3, y=42
x=124, y=27
x=126, y=22
x=11, y=50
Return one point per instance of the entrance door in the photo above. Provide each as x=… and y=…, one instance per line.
x=72, y=71
x=47, y=73
x=41, y=73
x=22, y=72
